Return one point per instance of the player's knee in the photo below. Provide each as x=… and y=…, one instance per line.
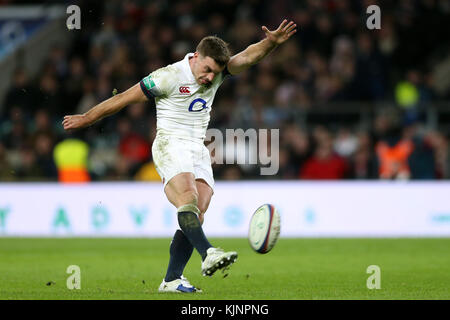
x=189, y=197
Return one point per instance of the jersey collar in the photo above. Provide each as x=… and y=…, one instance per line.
x=187, y=67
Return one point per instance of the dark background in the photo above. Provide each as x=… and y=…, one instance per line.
x=334, y=89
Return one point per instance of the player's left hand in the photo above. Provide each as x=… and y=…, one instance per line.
x=74, y=122
x=280, y=35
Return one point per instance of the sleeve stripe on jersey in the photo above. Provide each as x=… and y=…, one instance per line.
x=146, y=92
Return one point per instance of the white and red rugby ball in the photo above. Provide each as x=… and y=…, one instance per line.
x=264, y=228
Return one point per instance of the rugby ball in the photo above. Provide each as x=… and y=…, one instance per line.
x=264, y=228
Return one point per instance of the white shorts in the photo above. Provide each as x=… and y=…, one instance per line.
x=173, y=155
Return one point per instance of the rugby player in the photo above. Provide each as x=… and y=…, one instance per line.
x=184, y=92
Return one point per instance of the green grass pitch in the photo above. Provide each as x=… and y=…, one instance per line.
x=295, y=269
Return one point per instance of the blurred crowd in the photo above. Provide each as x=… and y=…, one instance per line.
x=333, y=59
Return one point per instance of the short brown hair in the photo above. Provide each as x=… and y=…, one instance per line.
x=215, y=48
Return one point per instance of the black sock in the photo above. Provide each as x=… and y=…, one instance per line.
x=192, y=229
x=180, y=253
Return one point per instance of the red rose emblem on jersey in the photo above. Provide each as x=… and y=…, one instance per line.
x=184, y=90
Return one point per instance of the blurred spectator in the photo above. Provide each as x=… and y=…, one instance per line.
x=345, y=143
x=363, y=162
x=21, y=94
x=42, y=123
x=28, y=169
x=49, y=95
x=147, y=173
x=324, y=163
x=18, y=138
x=74, y=85
x=297, y=143
x=439, y=143
x=43, y=146
x=392, y=147
x=393, y=159
x=139, y=121
x=71, y=158
x=134, y=149
x=88, y=99
x=287, y=170
x=232, y=172
x=371, y=68
x=406, y=92
x=6, y=170
x=57, y=59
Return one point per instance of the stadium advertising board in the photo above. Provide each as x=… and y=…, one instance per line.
x=308, y=209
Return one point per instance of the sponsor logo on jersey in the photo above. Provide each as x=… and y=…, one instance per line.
x=197, y=105
x=184, y=90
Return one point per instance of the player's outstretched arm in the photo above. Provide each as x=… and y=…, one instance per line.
x=105, y=108
x=257, y=51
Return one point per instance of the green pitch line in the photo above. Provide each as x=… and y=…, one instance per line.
x=294, y=269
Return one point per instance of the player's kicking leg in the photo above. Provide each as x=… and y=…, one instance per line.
x=192, y=200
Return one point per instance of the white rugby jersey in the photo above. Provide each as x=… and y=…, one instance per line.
x=182, y=105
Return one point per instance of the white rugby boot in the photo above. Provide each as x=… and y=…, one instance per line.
x=181, y=285
x=217, y=259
